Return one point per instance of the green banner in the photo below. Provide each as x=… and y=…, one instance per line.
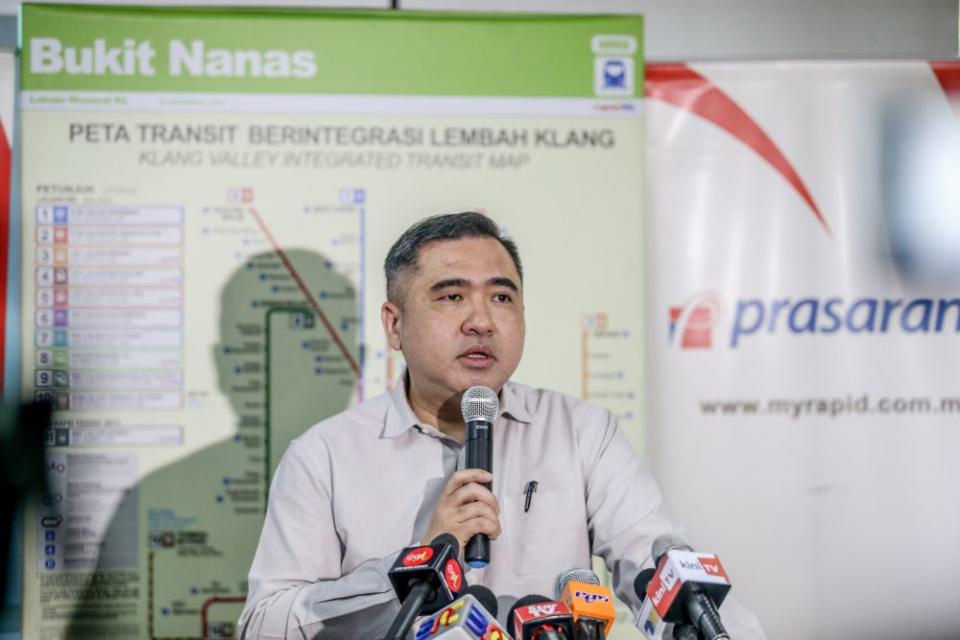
x=73, y=48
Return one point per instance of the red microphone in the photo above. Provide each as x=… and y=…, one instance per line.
x=536, y=617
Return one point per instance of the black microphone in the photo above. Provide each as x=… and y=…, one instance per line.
x=479, y=407
x=537, y=617
x=706, y=581
x=646, y=623
x=425, y=579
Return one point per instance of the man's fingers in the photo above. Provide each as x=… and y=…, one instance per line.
x=474, y=493
x=472, y=527
x=466, y=476
x=476, y=510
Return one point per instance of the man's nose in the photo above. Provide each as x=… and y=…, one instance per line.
x=479, y=321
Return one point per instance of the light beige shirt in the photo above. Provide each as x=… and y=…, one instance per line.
x=355, y=489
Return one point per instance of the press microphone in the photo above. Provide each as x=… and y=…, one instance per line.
x=426, y=579
x=688, y=587
x=647, y=619
x=536, y=617
x=472, y=616
x=479, y=407
x=589, y=601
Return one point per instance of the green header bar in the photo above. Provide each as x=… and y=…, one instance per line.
x=77, y=48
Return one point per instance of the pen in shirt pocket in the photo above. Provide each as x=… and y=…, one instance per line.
x=530, y=489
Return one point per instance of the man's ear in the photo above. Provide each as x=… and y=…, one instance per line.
x=390, y=317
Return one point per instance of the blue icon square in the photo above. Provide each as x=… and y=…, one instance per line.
x=50, y=535
x=60, y=339
x=50, y=550
x=359, y=196
x=60, y=215
x=614, y=74
x=50, y=563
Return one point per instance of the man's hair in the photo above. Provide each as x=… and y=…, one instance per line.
x=402, y=256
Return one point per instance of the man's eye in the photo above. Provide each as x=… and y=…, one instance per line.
x=503, y=297
x=452, y=297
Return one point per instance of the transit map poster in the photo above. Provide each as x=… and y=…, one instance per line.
x=207, y=199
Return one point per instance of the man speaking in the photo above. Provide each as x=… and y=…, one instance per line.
x=355, y=489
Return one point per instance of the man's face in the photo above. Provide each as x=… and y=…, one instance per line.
x=460, y=323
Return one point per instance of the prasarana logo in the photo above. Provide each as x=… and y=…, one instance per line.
x=692, y=324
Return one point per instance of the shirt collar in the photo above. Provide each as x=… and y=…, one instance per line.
x=400, y=417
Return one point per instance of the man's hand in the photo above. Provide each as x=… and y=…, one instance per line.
x=465, y=508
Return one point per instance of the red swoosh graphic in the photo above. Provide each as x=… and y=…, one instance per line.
x=681, y=86
x=948, y=75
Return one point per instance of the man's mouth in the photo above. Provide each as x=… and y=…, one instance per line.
x=477, y=356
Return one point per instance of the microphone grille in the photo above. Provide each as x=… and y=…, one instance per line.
x=575, y=575
x=479, y=403
x=668, y=542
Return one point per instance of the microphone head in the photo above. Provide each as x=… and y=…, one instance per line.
x=435, y=564
x=447, y=539
x=641, y=581
x=466, y=617
x=484, y=596
x=581, y=591
x=668, y=542
x=525, y=601
x=479, y=403
x=575, y=575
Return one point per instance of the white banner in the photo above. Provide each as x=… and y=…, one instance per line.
x=804, y=401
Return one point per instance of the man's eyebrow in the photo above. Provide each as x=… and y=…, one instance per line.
x=504, y=282
x=463, y=282
x=449, y=282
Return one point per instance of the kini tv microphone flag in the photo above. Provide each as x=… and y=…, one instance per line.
x=590, y=603
x=425, y=579
x=537, y=617
x=472, y=616
x=479, y=407
x=688, y=587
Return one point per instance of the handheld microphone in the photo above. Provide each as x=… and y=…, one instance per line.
x=536, y=617
x=472, y=616
x=479, y=407
x=425, y=579
x=688, y=586
x=589, y=601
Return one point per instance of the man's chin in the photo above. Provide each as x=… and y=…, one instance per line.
x=486, y=378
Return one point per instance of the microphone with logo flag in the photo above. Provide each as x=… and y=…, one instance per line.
x=589, y=601
x=537, y=617
x=479, y=407
x=426, y=579
x=648, y=621
x=472, y=616
x=687, y=587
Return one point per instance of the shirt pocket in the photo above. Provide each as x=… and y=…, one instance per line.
x=543, y=541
